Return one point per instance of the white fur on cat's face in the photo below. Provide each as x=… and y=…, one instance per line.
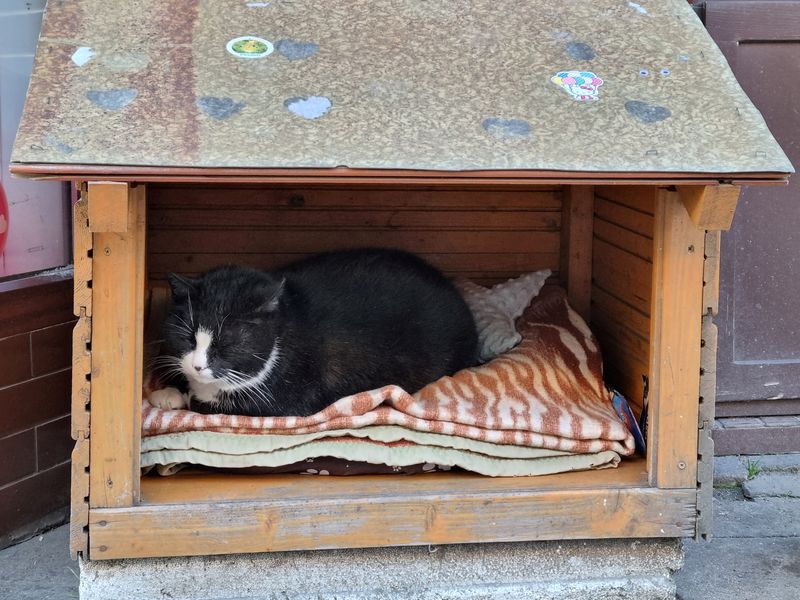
x=195, y=363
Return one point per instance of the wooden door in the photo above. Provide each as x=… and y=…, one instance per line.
x=758, y=369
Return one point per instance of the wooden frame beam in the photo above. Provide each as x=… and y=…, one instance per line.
x=577, y=219
x=675, y=339
x=168, y=518
x=81, y=376
x=116, y=361
x=108, y=209
x=413, y=514
x=710, y=206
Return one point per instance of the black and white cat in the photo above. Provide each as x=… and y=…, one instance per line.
x=291, y=342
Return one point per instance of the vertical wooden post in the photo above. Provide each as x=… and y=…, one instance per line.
x=576, y=246
x=81, y=370
x=675, y=338
x=118, y=302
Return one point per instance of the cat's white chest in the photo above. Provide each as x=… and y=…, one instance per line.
x=204, y=392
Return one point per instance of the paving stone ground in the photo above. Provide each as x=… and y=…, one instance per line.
x=755, y=554
x=772, y=485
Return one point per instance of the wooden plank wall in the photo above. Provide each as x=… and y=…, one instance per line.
x=484, y=234
x=622, y=273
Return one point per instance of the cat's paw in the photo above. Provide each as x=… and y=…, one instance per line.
x=169, y=399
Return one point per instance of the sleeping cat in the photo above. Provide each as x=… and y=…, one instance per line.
x=291, y=342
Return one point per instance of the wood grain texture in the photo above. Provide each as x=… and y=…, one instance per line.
x=622, y=215
x=470, y=265
x=622, y=286
x=494, y=179
x=82, y=254
x=361, y=196
x=675, y=359
x=576, y=247
x=489, y=235
x=294, y=512
x=386, y=111
x=108, y=209
x=118, y=293
x=188, y=488
x=711, y=206
x=639, y=197
x=81, y=373
x=622, y=273
x=79, y=500
x=711, y=272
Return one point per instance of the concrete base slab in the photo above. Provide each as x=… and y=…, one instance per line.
x=576, y=570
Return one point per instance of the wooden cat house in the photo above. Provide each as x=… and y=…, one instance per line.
x=604, y=140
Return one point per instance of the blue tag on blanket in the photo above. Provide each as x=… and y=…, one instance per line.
x=626, y=414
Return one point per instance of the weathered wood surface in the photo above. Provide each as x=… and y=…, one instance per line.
x=622, y=285
x=82, y=254
x=710, y=206
x=79, y=500
x=118, y=293
x=81, y=375
x=711, y=272
x=196, y=514
x=675, y=357
x=489, y=235
x=189, y=488
x=576, y=247
x=108, y=210
x=179, y=99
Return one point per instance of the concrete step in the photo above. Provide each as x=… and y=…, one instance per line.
x=773, y=485
x=730, y=470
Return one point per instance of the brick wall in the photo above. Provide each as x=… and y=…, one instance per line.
x=35, y=356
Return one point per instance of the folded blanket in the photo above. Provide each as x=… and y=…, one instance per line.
x=388, y=445
x=548, y=393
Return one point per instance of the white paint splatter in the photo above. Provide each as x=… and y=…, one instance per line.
x=82, y=55
x=312, y=107
x=637, y=6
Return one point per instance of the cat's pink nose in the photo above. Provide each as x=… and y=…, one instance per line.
x=198, y=369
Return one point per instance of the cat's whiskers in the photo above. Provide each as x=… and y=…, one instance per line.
x=185, y=327
x=189, y=304
x=167, y=361
x=245, y=389
x=220, y=324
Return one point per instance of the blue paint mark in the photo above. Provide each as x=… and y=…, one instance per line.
x=113, y=100
x=646, y=112
x=507, y=128
x=219, y=108
x=56, y=143
x=295, y=50
x=580, y=51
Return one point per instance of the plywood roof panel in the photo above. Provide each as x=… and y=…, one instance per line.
x=590, y=86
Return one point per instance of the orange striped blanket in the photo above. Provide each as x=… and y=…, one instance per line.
x=548, y=392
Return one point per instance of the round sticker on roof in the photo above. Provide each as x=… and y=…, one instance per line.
x=249, y=46
x=581, y=85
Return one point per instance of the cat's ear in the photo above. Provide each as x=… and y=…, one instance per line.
x=272, y=296
x=181, y=286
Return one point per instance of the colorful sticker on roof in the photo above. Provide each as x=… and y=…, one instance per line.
x=581, y=85
x=249, y=47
